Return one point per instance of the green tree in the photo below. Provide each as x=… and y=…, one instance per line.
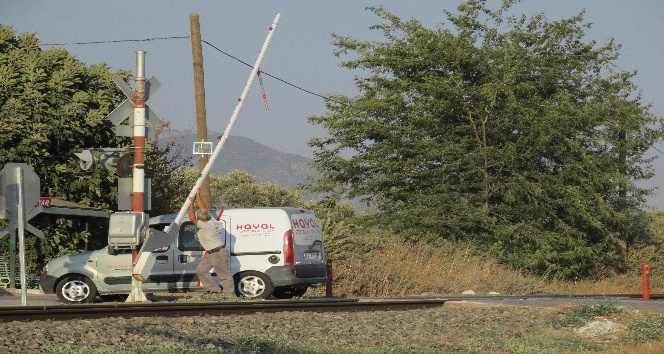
x=238, y=189
x=508, y=130
x=171, y=181
x=52, y=105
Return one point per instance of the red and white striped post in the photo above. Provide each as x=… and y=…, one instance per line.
x=138, y=185
x=138, y=167
x=138, y=170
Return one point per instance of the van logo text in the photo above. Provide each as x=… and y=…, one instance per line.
x=304, y=223
x=254, y=227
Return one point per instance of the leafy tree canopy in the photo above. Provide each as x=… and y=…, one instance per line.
x=52, y=105
x=512, y=131
x=239, y=189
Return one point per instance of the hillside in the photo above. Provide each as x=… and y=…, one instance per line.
x=241, y=153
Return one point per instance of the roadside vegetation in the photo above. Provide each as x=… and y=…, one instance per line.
x=374, y=261
x=497, y=153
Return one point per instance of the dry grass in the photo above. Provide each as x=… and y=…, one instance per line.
x=381, y=264
x=391, y=266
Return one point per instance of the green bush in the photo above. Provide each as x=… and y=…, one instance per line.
x=646, y=328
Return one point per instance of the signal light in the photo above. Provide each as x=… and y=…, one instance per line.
x=112, y=161
x=125, y=165
x=109, y=160
x=85, y=159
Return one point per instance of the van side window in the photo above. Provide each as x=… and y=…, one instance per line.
x=187, y=240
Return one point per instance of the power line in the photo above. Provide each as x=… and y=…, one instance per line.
x=118, y=41
x=656, y=149
x=211, y=45
x=275, y=77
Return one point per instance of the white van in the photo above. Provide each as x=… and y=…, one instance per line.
x=274, y=252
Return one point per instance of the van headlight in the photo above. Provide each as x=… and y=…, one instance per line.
x=45, y=270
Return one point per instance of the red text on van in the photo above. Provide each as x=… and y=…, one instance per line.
x=305, y=223
x=255, y=227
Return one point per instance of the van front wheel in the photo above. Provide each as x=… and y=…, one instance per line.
x=253, y=285
x=76, y=289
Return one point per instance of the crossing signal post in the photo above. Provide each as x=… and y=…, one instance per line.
x=133, y=118
x=141, y=123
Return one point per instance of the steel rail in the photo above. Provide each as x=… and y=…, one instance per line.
x=178, y=309
x=538, y=296
x=166, y=307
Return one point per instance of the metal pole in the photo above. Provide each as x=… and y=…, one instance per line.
x=138, y=180
x=138, y=170
x=199, y=95
x=21, y=235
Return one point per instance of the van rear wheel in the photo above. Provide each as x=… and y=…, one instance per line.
x=75, y=289
x=253, y=285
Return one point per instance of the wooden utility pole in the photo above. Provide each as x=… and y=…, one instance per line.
x=199, y=86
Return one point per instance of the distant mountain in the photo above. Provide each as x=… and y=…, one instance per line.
x=241, y=153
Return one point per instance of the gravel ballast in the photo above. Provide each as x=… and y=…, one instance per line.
x=444, y=327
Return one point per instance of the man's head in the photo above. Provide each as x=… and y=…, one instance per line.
x=203, y=215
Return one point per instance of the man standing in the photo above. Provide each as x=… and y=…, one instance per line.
x=210, y=237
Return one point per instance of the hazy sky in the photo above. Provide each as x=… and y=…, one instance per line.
x=301, y=52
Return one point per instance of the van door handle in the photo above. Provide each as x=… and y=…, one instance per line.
x=162, y=259
x=184, y=258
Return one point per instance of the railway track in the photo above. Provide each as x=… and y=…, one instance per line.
x=176, y=309
x=183, y=309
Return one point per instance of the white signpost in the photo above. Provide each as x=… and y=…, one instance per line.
x=20, y=191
